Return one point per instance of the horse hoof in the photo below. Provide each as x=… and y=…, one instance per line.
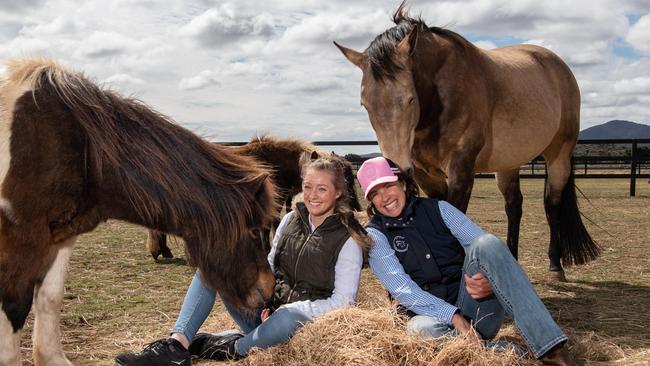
x=557, y=276
x=155, y=255
x=166, y=253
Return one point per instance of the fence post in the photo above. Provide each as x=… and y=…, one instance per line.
x=633, y=171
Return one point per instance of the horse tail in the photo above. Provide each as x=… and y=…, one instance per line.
x=576, y=245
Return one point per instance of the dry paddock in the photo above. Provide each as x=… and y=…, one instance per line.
x=117, y=298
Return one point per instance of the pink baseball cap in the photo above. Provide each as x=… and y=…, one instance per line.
x=375, y=171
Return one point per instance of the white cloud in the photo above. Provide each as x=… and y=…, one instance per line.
x=486, y=45
x=639, y=85
x=123, y=79
x=204, y=79
x=639, y=35
x=230, y=68
x=223, y=25
x=105, y=44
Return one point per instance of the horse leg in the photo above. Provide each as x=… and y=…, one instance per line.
x=433, y=184
x=558, y=175
x=48, y=298
x=461, y=180
x=570, y=241
x=508, y=183
x=9, y=341
x=22, y=267
x=157, y=244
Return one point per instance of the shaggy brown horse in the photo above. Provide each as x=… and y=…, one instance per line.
x=445, y=110
x=73, y=155
x=285, y=159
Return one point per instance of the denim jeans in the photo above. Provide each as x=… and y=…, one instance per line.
x=198, y=303
x=512, y=293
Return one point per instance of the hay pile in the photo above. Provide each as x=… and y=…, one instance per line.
x=372, y=334
x=377, y=337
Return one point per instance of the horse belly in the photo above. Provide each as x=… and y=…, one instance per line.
x=516, y=140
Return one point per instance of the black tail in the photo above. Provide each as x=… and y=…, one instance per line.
x=576, y=245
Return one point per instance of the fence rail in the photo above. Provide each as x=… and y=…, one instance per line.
x=636, y=165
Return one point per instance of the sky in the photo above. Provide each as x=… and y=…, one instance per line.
x=229, y=70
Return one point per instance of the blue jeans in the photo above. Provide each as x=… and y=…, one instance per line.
x=198, y=303
x=512, y=294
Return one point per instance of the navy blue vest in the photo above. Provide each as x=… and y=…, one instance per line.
x=425, y=247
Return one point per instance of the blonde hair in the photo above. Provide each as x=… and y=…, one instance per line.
x=336, y=167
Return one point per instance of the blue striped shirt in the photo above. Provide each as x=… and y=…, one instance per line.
x=390, y=272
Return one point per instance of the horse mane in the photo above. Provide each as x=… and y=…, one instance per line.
x=261, y=141
x=129, y=143
x=382, y=48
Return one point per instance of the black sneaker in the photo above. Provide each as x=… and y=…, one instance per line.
x=163, y=352
x=215, y=347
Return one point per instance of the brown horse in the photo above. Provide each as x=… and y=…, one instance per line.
x=73, y=155
x=445, y=110
x=285, y=158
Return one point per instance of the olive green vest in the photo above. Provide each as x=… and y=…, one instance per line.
x=305, y=260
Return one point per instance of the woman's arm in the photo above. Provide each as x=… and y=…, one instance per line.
x=390, y=273
x=461, y=226
x=347, y=273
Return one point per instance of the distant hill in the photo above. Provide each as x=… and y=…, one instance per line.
x=616, y=129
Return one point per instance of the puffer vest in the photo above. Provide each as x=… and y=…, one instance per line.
x=425, y=247
x=304, y=260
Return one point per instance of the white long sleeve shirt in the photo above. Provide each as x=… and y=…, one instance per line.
x=347, y=273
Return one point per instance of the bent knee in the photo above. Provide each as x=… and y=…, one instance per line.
x=292, y=318
x=427, y=326
x=488, y=243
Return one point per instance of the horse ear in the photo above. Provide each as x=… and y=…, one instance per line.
x=409, y=43
x=314, y=155
x=355, y=57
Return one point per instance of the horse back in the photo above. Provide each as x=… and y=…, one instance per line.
x=535, y=102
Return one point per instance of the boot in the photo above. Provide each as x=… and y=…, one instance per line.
x=558, y=356
x=215, y=347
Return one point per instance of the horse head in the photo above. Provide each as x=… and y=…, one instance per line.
x=388, y=89
x=241, y=272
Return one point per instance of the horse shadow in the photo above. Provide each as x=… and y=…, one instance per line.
x=611, y=309
x=172, y=261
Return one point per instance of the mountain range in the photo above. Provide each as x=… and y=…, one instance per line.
x=616, y=129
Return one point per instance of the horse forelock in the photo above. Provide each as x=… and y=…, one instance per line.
x=161, y=168
x=382, y=49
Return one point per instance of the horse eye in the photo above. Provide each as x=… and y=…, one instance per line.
x=411, y=100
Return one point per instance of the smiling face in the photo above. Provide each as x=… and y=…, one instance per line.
x=319, y=194
x=389, y=199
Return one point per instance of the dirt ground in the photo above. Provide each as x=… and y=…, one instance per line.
x=117, y=298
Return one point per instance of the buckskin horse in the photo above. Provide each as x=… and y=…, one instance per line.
x=73, y=155
x=444, y=110
x=285, y=158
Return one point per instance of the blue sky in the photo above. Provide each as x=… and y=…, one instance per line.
x=232, y=69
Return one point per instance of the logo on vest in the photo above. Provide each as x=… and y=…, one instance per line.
x=400, y=244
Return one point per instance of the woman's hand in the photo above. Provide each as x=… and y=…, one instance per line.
x=465, y=328
x=477, y=286
x=265, y=314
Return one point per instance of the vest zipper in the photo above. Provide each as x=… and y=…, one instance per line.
x=295, y=268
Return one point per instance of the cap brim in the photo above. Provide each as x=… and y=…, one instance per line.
x=392, y=178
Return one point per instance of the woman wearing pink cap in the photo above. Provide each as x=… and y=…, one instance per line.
x=445, y=272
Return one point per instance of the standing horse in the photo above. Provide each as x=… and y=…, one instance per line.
x=445, y=110
x=73, y=155
x=285, y=159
